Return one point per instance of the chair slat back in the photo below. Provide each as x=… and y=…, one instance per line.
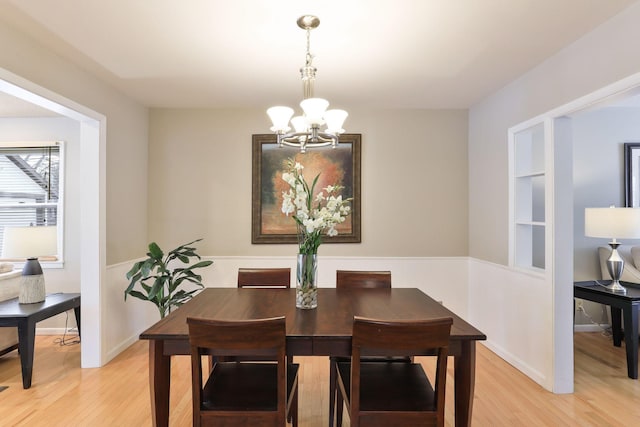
x=363, y=279
x=410, y=337
x=219, y=337
x=242, y=338
x=381, y=338
x=264, y=277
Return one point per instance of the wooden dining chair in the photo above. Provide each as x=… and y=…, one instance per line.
x=394, y=394
x=274, y=278
x=349, y=279
x=264, y=277
x=363, y=279
x=242, y=393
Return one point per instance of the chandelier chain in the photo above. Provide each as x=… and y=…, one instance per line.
x=309, y=56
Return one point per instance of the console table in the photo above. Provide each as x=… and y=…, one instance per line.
x=623, y=307
x=25, y=317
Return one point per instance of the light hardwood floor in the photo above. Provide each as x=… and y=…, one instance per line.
x=62, y=394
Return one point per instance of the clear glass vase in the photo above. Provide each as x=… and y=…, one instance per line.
x=306, y=289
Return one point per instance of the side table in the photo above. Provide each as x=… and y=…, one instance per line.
x=623, y=307
x=25, y=317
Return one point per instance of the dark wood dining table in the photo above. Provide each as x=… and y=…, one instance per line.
x=324, y=331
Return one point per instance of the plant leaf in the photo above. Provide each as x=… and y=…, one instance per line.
x=154, y=251
x=134, y=269
x=139, y=295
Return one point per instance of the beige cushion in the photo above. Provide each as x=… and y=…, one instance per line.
x=5, y=267
x=9, y=285
x=9, y=288
x=635, y=255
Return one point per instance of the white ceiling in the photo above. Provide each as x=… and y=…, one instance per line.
x=369, y=53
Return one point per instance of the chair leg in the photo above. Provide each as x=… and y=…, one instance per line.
x=292, y=415
x=332, y=390
x=294, y=409
x=339, y=408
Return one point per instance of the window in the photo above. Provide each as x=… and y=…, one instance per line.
x=31, y=191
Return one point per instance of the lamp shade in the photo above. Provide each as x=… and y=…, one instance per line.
x=612, y=223
x=29, y=242
x=280, y=117
x=335, y=119
x=314, y=109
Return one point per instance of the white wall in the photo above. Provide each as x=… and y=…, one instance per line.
x=442, y=278
x=414, y=182
x=598, y=174
x=524, y=306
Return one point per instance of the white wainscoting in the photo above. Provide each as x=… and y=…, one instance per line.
x=478, y=291
x=124, y=320
x=514, y=310
x=444, y=279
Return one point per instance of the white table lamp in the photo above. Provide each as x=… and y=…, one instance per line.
x=29, y=243
x=613, y=223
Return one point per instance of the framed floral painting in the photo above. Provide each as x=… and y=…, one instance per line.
x=335, y=166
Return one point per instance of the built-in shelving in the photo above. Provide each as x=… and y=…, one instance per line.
x=528, y=179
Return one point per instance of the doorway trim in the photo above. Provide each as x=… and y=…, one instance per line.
x=93, y=204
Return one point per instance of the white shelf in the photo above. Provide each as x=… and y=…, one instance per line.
x=536, y=223
x=531, y=174
x=528, y=198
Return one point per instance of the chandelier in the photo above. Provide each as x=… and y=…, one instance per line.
x=307, y=132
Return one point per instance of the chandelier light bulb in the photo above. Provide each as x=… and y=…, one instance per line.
x=300, y=124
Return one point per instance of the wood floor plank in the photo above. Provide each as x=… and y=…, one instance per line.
x=117, y=394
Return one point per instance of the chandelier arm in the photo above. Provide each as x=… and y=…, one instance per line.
x=293, y=139
x=298, y=144
x=321, y=136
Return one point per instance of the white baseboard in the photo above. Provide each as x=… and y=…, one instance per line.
x=55, y=331
x=122, y=346
x=591, y=327
x=519, y=363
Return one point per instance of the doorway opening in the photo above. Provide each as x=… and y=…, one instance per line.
x=92, y=130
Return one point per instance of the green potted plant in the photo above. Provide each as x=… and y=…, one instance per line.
x=160, y=282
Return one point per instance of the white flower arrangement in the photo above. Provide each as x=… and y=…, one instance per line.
x=312, y=215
